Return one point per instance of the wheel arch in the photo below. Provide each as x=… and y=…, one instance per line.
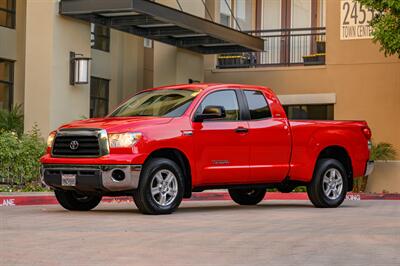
x=341, y=154
x=181, y=160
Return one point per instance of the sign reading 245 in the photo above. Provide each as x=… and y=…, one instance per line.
x=355, y=20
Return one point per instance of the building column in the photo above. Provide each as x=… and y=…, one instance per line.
x=49, y=99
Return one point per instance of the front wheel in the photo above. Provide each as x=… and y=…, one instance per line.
x=75, y=201
x=329, y=185
x=247, y=196
x=161, y=187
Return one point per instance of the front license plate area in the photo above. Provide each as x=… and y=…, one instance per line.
x=68, y=180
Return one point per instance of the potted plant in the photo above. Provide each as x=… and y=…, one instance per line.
x=321, y=47
x=380, y=151
x=314, y=59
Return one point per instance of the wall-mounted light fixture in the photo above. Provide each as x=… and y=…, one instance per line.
x=78, y=69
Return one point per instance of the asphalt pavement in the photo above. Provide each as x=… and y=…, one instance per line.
x=204, y=233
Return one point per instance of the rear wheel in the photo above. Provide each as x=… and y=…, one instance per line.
x=329, y=185
x=161, y=187
x=75, y=201
x=247, y=196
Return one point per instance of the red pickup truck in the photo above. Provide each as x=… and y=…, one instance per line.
x=165, y=143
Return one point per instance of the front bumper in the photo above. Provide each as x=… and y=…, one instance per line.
x=369, y=168
x=92, y=178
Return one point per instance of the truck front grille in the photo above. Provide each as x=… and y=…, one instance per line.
x=76, y=145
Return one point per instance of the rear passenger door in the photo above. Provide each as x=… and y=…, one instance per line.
x=269, y=140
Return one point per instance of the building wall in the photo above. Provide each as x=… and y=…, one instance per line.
x=50, y=100
x=123, y=66
x=365, y=82
x=385, y=177
x=173, y=65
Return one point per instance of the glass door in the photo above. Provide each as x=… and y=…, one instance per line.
x=300, y=41
x=271, y=19
x=280, y=21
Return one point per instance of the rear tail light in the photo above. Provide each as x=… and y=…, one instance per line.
x=367, y=132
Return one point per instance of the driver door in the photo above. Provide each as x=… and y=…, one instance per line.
x=221, y=145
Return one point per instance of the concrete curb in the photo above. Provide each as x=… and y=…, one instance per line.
x=27, y=199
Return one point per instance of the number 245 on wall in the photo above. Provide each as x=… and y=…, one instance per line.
x=355, y=13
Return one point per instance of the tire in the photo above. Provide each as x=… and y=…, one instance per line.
x=73, y=201
x=328, y=187
x=160, y=188
x=247, y=196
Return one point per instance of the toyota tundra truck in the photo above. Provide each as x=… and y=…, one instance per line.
x=165, y=143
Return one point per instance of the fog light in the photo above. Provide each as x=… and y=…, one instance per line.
x=118, y=175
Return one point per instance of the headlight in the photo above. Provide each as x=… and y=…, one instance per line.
x=50, y=139
x=123, y=140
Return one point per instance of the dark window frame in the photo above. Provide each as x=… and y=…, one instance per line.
x=104, y=37
x=11, y=12
x=248, y=115
x=10, y=82
x=239, y=101
x=96, y=98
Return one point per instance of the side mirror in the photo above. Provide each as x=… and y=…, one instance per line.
x=210, y=112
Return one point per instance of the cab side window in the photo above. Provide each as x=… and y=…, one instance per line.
x=226, y=99
x=258, y=105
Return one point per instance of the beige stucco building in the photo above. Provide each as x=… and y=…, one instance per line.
x=351, y=79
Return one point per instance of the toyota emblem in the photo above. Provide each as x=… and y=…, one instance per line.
x=74, y=145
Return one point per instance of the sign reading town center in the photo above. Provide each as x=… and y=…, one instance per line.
x=354, y=20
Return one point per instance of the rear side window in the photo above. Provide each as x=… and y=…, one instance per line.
x=258, y=105
x=226, y=99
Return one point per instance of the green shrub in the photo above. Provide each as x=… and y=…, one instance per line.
x=19, y=157
x=12, y=120
x=383, y=151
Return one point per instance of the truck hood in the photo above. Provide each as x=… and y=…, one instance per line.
x=118, y=124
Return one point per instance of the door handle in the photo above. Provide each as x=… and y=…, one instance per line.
x=241, y=130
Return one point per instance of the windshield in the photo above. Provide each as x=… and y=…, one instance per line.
x=166, y=103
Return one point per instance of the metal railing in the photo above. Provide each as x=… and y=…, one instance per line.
x=282, y=47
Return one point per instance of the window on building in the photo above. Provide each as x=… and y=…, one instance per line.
x=7, y=13
x=242, y=10
x=309, y=112
x=225, y=15
x=258, y=105
x=99, y=97
x=286, y=14
x=100, y=37
x=244, y=14
x=6, y=83
x=226, y=99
